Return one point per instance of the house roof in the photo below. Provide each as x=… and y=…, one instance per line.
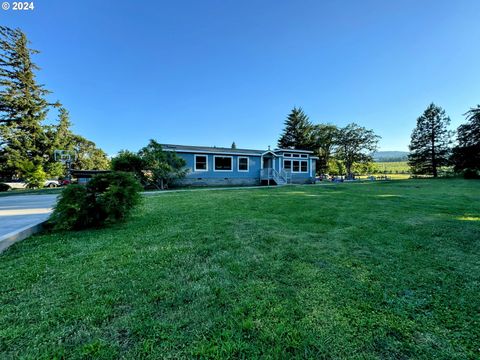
x=223, y=150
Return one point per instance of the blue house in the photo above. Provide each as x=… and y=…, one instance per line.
x=225, y=166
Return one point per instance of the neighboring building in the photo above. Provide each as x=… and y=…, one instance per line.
x=226, y=166
x=84, y=176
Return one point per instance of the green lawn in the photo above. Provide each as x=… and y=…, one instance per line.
x=393, y=167
x=378, y=270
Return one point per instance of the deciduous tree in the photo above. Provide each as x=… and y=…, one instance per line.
x=324, y=138
x=355, y=144
x=162, y=167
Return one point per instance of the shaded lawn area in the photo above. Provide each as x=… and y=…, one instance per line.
x=366, y=271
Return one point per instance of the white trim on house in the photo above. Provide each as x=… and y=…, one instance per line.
x=238, y=163
x=271, y=152
x=294, y=150
x=295, y=155
x=195, y=162
x=213, y=152
x=222, y=156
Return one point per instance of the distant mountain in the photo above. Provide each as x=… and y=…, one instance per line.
x=390, y=156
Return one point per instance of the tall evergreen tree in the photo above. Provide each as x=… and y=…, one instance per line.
x=430, y=141
x=23, y=106
x=298, y=131
x=234, y=146
x=466, y=155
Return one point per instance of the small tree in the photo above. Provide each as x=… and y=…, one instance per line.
x=35, y=176
x=355, y=144
x=129, y=162
x=162, y=167
x=298, y=131
x=466, y=155
x=234, y=146
x=430, y=141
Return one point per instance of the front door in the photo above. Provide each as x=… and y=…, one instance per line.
x=267, y=162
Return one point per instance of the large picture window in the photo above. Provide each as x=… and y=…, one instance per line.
x=243, y=164
x=295, y=166
x=222, y=163
x=201, y=163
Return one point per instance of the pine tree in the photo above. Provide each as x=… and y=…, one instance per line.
x=466, y=155
x=60, y=135
x=234, y=146
x=23, y=105
x=430, y=141
x=298, y=132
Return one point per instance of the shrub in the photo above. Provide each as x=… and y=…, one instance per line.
x=4, y=187
x=35, y=177
x=106, y=199
x=71, y=211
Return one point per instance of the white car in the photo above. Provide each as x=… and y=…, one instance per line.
x=16, y=184
x=20, y=184
x=51, y=183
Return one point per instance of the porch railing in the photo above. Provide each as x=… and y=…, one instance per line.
x=280, y=178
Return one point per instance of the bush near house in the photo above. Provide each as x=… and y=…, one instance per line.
x=4, y=187
x=106, y=199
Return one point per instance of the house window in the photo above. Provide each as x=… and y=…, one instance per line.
x=296, y=166
x=304, y=155
x=296, y=155
x=287, y=155
x=201, y=163
x=222, y=163
x=243, y=164
x=303, y=166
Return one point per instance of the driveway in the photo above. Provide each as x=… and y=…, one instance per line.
x=18, y=213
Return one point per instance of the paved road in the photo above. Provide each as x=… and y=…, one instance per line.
x=18, y=212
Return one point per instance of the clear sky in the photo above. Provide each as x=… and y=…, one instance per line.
x=210, y=72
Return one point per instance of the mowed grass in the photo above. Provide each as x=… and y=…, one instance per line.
x=378, y=270
x=393, y=166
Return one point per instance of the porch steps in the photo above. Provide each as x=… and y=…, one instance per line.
x=278, y=178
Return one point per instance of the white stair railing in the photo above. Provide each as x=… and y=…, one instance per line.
x=280, y=178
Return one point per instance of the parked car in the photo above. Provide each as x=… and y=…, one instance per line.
x=65, y=182
x=51, y=183
x=21, y=184
x=16, y=184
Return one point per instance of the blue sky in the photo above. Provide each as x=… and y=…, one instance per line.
x=210, y=72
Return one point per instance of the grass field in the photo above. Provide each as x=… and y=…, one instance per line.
x=379, y=270
x=393, y=167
